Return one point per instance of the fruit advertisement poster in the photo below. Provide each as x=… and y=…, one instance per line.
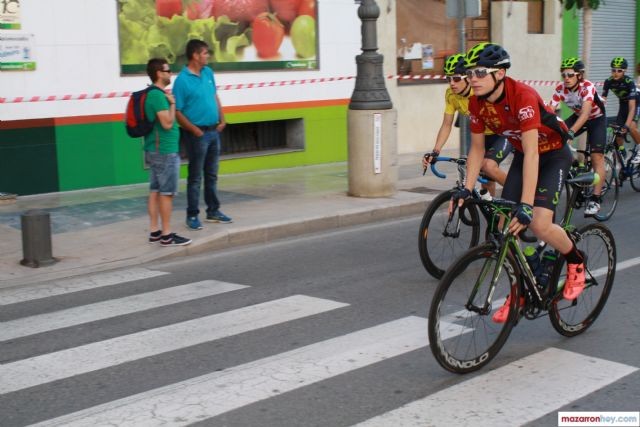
x=243, y=35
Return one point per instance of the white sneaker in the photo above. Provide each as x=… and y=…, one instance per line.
x=636, y=159
x=592, y=208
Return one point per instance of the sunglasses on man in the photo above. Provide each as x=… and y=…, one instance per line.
x=568, y=74
x=480, y=72
x=617, y=70
x=456, y=79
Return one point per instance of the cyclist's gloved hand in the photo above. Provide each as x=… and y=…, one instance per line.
x=428, y=159
x=524, y=213
x=460, y=194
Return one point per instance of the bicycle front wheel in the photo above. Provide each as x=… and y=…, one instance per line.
x=462, y=335
x=571, y=318
x=610, y=188
x=440, y=242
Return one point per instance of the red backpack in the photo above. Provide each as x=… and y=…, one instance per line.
x=136, y=123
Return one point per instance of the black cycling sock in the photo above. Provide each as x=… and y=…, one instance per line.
x=574, y=256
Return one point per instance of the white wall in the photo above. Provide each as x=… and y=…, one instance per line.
x=533, y=56
x=76, y=48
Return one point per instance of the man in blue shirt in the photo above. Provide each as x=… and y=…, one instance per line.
x=199, y=113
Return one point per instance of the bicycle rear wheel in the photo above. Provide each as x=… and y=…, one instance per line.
x=635, y=177
x=462, y=337
x=440, y=245
x=610, y=188
x=571, y=318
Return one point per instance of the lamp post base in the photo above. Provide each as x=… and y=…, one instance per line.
x=372, y=164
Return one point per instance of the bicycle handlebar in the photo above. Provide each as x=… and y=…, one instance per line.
x=458, y=161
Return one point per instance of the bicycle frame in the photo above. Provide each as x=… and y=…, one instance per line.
x=486, y=210
x=507, y=243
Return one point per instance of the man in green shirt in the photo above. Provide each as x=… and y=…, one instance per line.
x=161, y=148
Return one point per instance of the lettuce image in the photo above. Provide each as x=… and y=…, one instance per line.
x=145, y=35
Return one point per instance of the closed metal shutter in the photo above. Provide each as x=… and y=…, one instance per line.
x=614, y=34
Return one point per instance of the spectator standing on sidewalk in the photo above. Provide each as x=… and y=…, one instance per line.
x=161, y=154
x=199, y=113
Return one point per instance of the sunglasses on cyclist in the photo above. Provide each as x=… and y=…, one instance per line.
x=480, y=72
x=456, y=79
x=567, y=74
x=617, y=70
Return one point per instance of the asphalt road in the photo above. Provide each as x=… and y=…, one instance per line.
x=322, y=330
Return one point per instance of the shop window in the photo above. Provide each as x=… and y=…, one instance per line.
x=257, y=138
x=425, y=37
x=535, y=24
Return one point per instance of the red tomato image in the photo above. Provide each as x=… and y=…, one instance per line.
x=285, y=10
x=268, y=33
x=168, y=8
x=240, y=10
x=199, y=9
x=307, y=7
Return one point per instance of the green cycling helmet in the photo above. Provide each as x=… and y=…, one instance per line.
x=487, y=55
x=454, y=64
x=573, y=62
x=619, y=62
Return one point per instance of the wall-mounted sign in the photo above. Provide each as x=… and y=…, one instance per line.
x=10, y=14
x=242, y=34
x=16, y=51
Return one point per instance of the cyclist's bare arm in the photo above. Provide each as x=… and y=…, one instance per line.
x=632, y=112
x=583, y=117
x=444, y=132
x=441, y=139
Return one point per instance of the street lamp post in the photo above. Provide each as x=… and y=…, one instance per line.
x=372, y=121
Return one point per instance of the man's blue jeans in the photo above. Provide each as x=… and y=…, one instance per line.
x=204, y=157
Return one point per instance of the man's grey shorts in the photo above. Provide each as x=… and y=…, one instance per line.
x=164, y=170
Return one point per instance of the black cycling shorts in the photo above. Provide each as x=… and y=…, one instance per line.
x=496, y=148
x=623, y=112
x=553, y=167
x=596, y=132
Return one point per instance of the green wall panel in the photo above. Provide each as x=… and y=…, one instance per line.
x=85, y=156
x=325, y=133
x=79, y=156
x=28, y=161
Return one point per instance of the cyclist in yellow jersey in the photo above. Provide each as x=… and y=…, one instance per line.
x=497, y=148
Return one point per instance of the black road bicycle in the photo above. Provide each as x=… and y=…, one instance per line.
x=462, y=334
x=442, y=238
x=623, y=169
x=616, y=172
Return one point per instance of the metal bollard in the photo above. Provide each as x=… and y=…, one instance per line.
x=36, y=239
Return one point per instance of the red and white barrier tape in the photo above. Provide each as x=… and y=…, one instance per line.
x=106, y=95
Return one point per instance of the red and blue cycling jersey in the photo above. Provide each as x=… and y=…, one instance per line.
x=519, y=109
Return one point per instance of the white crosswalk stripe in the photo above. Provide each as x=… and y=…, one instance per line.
x=90, y=357
x=60, y=287
x=210, y=395
x=112, y=308
x=515, y=394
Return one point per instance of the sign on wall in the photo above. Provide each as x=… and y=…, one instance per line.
x=242, y=34
x=10, y=14
x=16, y=52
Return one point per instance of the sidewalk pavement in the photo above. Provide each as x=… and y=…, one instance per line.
x=107, y=228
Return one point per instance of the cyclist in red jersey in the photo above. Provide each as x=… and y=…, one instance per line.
x=541, y=157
